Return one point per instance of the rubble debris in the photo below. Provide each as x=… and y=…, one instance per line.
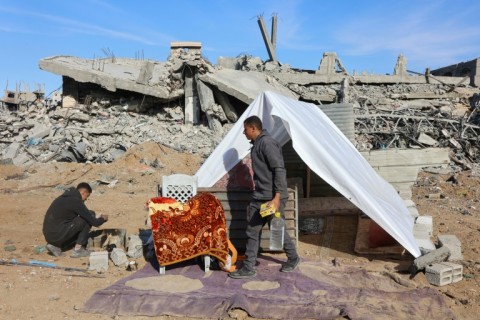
x=453, y=244
x=113, y=74
x=244, y=86
x=401, y=66
x=22, y=98
x=118, y=257
x=186, y=103
x=331, y=64
x=439, y=255
x=214, y=113
x=228, y=108
x=134, y=246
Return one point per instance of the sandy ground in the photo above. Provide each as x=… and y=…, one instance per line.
x=45, y=293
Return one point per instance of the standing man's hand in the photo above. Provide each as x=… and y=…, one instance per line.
x=105, y=217
x=276, y=201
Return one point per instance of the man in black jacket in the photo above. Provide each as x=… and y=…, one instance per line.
x=270, y=178
x=68, y=221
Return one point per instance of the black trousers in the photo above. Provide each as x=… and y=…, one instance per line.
x=76, y=232
x=255, y=223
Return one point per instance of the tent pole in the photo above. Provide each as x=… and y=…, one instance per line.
x=309, y=174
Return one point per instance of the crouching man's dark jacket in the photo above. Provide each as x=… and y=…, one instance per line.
x=63, y=210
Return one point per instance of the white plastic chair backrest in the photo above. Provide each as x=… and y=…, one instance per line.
x=181, y=187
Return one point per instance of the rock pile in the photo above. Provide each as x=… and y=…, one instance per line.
x=97, y=135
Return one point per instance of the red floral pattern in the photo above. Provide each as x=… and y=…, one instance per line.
x=198, y=229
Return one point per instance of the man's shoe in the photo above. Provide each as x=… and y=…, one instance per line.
x=80, y=253
x=242, y=274
x=290, y=265
x=56, y=251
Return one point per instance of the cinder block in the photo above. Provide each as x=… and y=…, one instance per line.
x=440, y=274
x=423, y=227
x=409, y=203
x=457, y=270
x=98, y=261
x=413, y=212
x=425, y=244
x=453, y=243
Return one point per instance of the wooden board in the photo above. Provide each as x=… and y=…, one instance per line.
x=361, y=241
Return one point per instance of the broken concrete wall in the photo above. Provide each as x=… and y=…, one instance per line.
x=189, y=104
x=469, y=69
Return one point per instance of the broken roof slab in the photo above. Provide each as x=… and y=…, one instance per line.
x=308, y=78
x=245, y=86
x=145, y=77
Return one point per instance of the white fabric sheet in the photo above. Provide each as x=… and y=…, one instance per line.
x=324, y=148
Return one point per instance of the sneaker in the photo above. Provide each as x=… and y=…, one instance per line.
x=290, y=265
x=242, y=274
x=80, y=253
x=56, y=251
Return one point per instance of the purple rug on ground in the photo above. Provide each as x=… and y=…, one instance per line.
x=316, y=290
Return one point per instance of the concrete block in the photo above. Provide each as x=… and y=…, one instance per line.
x=119, y=257
x=20, y=159
x=453, y=243
x=409, y=203
x=39, y=132
x=12, y=150
x=413, y=212
x=423, y=226
x=435, y=256
x=98, y=261
x=134, y=246
x=425, y=244
x=440, y=274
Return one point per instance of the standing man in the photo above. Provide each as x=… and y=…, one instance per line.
x=270, y=179
x=68, y=222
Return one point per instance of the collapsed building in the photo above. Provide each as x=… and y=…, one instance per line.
x=400, y=122
x=125, y=101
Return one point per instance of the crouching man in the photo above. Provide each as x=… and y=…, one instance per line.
x=68, y=222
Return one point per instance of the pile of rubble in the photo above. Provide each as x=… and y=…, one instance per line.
x=188, y=104
x=388, y=117
x=97, y=135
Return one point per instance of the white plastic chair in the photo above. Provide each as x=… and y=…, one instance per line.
x=181, y=187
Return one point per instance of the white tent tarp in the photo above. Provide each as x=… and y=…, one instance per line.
x=324, y=148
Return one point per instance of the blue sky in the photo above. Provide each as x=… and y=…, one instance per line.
x=367, y=35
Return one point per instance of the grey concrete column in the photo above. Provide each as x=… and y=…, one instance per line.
x=192, y=110
x=266, y=39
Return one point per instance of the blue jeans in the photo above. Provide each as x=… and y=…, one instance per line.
x=255, y=224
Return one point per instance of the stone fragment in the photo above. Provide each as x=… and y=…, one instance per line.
x=134, y=246
x=439, y=255
x=20, y=159
x=453, y=243
x=12, y=150
x=423, y=227
x=424, y=138
x=39, y=132
x=118, y=257
x=98, y=261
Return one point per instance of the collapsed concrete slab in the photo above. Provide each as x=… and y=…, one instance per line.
x=245, y=86
x=439, y=255
x=145, y=77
